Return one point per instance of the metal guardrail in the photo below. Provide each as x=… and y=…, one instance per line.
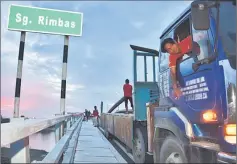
x=69, y=154
x=56, y=154
x=17, y=132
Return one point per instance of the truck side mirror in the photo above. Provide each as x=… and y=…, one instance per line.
x=200, y=15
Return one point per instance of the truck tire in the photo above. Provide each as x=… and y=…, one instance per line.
x=172, y=151
x=140, y=146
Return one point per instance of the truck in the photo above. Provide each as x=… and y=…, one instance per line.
x=200, y=126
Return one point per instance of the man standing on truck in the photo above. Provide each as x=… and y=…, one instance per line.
x=127, y=89
x=176, y=51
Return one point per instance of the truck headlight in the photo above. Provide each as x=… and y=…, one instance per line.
x=230, y=127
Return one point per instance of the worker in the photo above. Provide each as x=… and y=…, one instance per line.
x=176, y=51
x=95, y=116
x=87, y=114
x=127, y=89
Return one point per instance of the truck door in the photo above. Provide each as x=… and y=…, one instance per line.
x=198, y=82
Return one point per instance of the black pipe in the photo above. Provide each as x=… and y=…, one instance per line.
x=116, y=105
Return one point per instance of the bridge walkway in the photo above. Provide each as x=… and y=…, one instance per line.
x=93, y=147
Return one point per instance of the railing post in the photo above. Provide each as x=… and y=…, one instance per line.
x=62, y=129
x=68, y=123
x=20, y=152
x=71, y=121
x=57, y=132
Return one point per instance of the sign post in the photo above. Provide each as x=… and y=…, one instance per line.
x=64, y=82
x=19, y=75
x=42, y=20
x=64, y=75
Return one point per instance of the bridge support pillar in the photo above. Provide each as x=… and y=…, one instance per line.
x=20, y=152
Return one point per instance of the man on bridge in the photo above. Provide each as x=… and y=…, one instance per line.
x=95, y=116
x=87, y=114
x=127, y=89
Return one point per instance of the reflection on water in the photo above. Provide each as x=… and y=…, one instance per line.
x=43, y=141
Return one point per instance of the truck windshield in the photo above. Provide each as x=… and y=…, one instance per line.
x=228, y=29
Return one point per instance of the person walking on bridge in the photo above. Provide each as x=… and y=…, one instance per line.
x=95, y=116
x=86, y=114
x=127, y=89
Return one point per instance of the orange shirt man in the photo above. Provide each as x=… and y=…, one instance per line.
x=176, y=51
x=127, y=89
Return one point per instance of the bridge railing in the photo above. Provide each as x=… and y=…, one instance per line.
x=17, y=132
x=64, y=150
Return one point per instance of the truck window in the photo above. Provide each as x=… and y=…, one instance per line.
x=182, y=35
x=182, y=31
x=200, y=49
x=203, y=45
x=164, y=57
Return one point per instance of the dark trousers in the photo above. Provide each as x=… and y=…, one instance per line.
x=126, y=102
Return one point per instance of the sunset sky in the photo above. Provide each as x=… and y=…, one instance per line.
x=98, y=62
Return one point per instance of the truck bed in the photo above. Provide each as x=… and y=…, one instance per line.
x=119, y=125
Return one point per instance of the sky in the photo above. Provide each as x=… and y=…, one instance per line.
x=98, y=62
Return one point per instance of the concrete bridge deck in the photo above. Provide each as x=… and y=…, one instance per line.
x=93, y=147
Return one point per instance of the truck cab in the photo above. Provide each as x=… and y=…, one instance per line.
x=201, y=124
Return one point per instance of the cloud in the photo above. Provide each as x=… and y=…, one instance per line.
x=138, y=25
x=77, y=7
x=89, y=52
x=85, y=66
x=8, y=48
x=73, y=87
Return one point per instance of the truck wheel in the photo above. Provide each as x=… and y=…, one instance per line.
x=172, y=151
x=140, y=146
